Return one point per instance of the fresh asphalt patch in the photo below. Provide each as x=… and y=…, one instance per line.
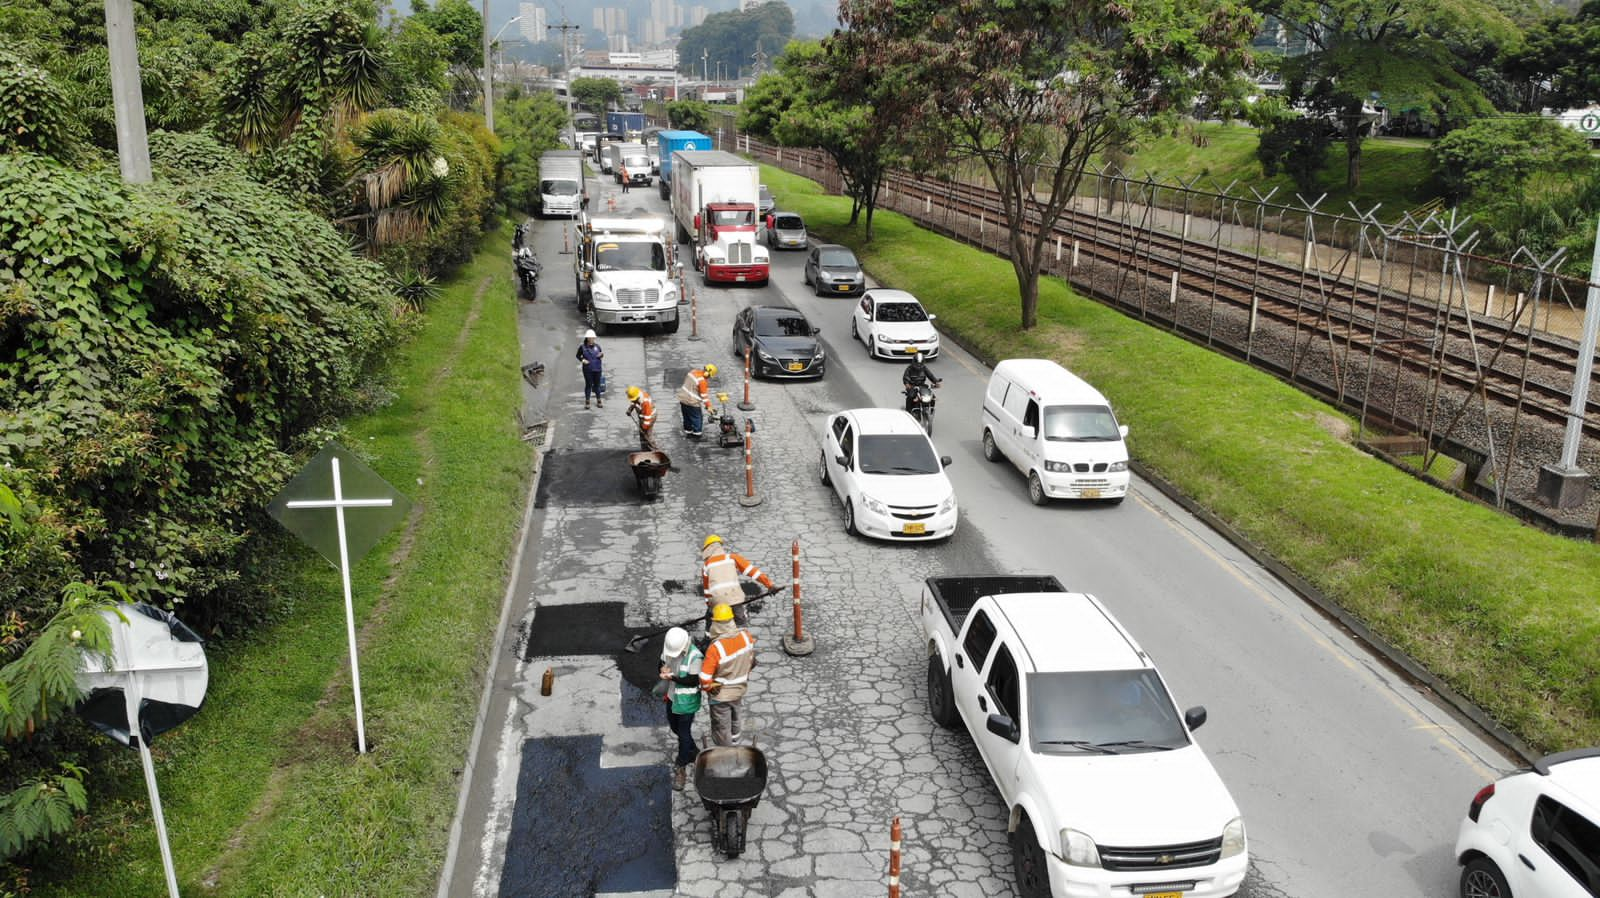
x=596, y=628
x=590, y=829
x=586, y=477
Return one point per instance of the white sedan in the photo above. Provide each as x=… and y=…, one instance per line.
x=888, y=475
x=894, y=325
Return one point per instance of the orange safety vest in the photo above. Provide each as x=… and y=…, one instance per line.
x=720, y=572
x=696, y=389
x=728, y=662
x=646, y=409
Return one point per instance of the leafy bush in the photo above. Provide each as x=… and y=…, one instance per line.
x=1505, y=155
x=526, y=126
x=1296, y=146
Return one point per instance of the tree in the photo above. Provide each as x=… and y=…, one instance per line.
x=730, y=39
x=1402, y=54
x=1499, y=158
x=596, y=94
x=527, y=126
x=1566, y=54
x=1298, y=147
x=459, y=23
x=1034, y=89
x=689, y=115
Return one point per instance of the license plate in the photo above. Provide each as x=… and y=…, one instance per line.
x=796, y=366
x=843, y=288
x=1164, y=895
x=913, y=529
x=739, y=278
x=1095, y=494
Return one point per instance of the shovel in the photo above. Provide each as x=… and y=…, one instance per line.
x=637, y=642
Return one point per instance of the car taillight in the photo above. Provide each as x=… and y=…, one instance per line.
x=1476, y=807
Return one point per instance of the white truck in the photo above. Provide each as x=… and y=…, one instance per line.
x=562, y=188
x=1107, y=791
x=714, y=195
x=630, y=158
x=624, y=273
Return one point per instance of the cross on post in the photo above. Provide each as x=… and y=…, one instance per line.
x=297, y=508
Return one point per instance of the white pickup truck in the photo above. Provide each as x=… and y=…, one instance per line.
x=1108, y=793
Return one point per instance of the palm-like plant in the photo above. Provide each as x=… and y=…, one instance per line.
x=403, y=190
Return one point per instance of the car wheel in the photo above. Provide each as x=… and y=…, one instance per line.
x=1480, y=878
x=991, y=452
x=1027, y=860
x=822, y=468
x=816, y=288
x=941, y=703
x=806, y=274
x=872, y=347
x=1036, y=493
x=853, y=334
x=850, y=518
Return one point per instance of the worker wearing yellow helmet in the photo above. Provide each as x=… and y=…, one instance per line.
x=643, y=410
x=721, y=574
x=694, y=398
x=725, y=674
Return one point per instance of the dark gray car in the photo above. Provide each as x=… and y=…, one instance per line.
x=832, y=270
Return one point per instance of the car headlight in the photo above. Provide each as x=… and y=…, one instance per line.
x=1118, y=466
x=670, y=291
x=766, y=356
x=820, y=355
x=873, y=505
x=1058, y=467
x=1233, y=837
x=948, y=505
x=1078, y=849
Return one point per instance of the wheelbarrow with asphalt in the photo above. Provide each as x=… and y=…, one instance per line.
x=648, y=469
x=730, y=780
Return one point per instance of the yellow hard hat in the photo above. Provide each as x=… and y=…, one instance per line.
x=633, y=393
x=721, y=613
x=711, y=370
x=713, y=538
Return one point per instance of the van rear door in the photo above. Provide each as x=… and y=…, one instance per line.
x=1018, y=442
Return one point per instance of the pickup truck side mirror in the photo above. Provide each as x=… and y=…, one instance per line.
x=1004, y=727
x=1123, y=429
x=815, y=331
x=1195, y=717
x=945, y=460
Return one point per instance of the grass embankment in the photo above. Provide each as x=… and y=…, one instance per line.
x=1503, y=612
x=264, y=793
x=1394, y=172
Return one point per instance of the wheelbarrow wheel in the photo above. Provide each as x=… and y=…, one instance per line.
x=732, y=833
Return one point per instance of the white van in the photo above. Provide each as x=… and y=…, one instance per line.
x=1059, y=432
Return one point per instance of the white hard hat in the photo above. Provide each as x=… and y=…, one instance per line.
x=674, y=645
x=588, y=334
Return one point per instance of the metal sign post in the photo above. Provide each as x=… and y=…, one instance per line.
x=159, y=667
x=299, y=507
x=1564, y=484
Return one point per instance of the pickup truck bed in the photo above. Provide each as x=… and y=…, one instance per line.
x=955, y=596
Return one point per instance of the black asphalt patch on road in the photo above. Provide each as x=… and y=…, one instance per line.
x=588, y=477
x=578, y=829
x=596, y=628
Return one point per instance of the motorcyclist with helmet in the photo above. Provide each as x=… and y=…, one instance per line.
x=917, y=374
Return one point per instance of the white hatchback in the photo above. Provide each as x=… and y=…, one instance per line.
x=894, y=325
x=1535, y=833
x=888, y=475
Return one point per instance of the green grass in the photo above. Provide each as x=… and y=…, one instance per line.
x=1503, y=612
x=264, y=794
x=1394, y=172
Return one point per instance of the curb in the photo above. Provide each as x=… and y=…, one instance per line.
x=1397, y=659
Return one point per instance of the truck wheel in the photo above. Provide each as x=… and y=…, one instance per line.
x=670, y=327
x=1027, y=859
x=991, y=452
x=941, y=703
x=683, y=233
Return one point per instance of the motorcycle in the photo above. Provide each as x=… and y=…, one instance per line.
x=527, y=266
x=920, y=402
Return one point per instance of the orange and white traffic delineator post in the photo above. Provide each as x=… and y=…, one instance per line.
x=747, y=405
x=894, y=859
x=566, y=240
x=749, y=498
x=798, y=643
x=694, y=314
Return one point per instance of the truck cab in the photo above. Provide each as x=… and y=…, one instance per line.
x=623, y=273
x=725, y=244
x=1107, y=792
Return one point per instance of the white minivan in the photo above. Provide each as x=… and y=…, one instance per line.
x=1059, y=432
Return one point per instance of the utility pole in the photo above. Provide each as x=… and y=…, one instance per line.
x=133, y=145
x=565, y=28
x=705, y=65
x=488, y=73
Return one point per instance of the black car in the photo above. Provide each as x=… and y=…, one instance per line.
x=832, y=269
x=781, y=341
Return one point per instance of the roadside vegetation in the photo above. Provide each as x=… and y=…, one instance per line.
x=1503, y=612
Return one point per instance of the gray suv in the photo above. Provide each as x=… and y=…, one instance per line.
x=786, y=230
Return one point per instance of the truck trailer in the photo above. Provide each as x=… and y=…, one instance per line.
x=714, y=203
x=628, y=124
x=669, y=142
x=562, y=188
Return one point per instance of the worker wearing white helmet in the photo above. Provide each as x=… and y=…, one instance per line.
x=680, y=675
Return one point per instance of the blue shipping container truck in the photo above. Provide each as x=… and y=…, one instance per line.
x=670, y=142
x=625, y=122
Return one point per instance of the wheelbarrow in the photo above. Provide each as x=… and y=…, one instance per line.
x=730, y=780
x=648, y=469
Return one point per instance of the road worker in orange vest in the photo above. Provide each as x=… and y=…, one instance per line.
x=643, y=410
x=721, y=572
x=725, y=675
x=694, y=399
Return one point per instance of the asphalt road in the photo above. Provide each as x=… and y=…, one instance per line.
x=1351, y=781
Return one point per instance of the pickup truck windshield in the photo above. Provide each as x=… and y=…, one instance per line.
x=558, y=188
x=1101, y=711
x=1080, y=424
x=897, y=454
x=630, y=257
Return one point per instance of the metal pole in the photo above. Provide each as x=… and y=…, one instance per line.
x=127, y=97
x=488, y=74
x=1580, y=377
x=349, y=606
x=133, y=699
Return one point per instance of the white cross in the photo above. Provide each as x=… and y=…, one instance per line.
x=339, y=503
